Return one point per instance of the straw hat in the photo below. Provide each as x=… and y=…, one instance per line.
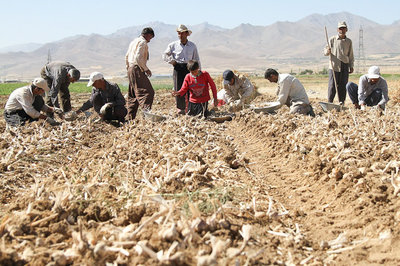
x=183, y=28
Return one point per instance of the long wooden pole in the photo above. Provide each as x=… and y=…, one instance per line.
x=330, y=60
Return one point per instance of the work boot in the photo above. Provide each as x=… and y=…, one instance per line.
x=180, y=112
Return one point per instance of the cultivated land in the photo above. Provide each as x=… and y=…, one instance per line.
x=261, y=189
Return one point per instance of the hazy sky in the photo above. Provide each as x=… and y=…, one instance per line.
x=42, y=21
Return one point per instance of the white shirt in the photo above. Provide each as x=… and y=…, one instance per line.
x=291, y=91
x=138, y=53
x=181, y=53
x=22, y=99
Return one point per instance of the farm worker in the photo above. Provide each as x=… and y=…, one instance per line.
x=371, y=91
x=341, y=50
x=59, y=75
x=106, y=99
x=238, y=90
x=290, y=92
x=198, y=83
x=25, y=104
x=140, y=89
x=178, y=54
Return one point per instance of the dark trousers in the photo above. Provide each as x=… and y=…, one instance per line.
x=114, y=113
x=140, y=92
x=179, y=74
x=63, y=94
x=20, y=117
x=373, y=99
x=198, y=109
x=342, y=78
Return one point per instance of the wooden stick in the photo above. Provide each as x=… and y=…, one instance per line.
x=330, y=60
x=46, y=219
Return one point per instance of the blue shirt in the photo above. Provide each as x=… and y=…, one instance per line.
x=181, y=53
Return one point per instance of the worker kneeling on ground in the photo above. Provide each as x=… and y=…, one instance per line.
x=238, y=90
x=371, y=91
x=106, y=99
x=26, y=103
x=290, y=92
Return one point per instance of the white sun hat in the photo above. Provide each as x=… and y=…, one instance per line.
x=374, y=72
x=93, y=77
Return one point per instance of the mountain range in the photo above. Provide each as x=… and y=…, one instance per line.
x=246, y=47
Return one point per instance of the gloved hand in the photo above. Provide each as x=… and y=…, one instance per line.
x=70, y=116
x=58, y=111
x=52, y=122
x=104, y=108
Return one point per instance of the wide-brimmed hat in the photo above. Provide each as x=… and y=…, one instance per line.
x=41, y=83
x=183, y=28
x=374, y=72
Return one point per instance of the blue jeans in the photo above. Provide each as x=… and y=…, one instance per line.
x=373, y=99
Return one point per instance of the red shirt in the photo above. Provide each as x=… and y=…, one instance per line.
x=199, y=87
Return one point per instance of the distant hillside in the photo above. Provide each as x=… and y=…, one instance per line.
x=246, y=47
x=26, y=47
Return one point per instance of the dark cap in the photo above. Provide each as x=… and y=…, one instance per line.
x=228, y=75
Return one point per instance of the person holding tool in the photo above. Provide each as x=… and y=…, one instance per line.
x=339, y=48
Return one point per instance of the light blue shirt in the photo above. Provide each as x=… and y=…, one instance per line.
x=181, y=53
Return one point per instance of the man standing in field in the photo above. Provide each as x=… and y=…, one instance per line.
x=140, y=89
x=290, y=92
x=238, y=90
x=106, y=99
x=59, y=75
x=340, y=50
x=371, y=91
x=178, y=54
x=26, y=103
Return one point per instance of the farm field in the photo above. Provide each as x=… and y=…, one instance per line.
x=261, y=189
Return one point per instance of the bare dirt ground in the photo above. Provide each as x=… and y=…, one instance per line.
x=261, y=189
